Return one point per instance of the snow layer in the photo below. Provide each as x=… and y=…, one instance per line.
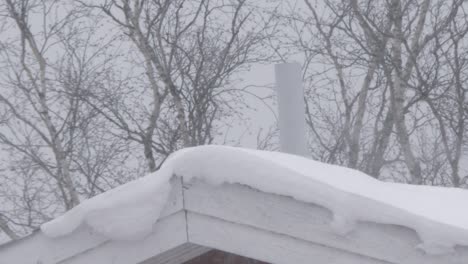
x=128, y=212
x=4, y=238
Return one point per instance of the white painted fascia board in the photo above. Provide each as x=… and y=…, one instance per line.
x=240, y=220
x=286, y=216
x=264, y=245
x=169, y=233
x=40, y=249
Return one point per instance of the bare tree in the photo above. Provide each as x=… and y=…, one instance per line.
x=441, y=83
x=57, y=152
x=190, y=59
x=369, y=86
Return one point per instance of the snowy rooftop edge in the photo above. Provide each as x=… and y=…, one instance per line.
x=435, y=213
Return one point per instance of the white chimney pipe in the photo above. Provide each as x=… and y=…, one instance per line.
x=291, y=108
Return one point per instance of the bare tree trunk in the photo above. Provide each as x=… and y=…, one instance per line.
x=354, y=148
x=41, y=90
x=377, y=45
x=398, y=95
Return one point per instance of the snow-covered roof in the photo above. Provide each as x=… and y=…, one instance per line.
x=129, y=212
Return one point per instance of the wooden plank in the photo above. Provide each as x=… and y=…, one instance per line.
x=216, y=256
x=244, y=205
x=265, y=245
x=169, y=232
x=178, y=255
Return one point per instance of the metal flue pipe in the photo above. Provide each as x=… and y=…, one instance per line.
x=292, y=125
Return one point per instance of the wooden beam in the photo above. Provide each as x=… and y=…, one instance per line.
x=178, y=255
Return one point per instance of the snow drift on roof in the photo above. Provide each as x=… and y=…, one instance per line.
x=4, y=238
x=438, y=215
